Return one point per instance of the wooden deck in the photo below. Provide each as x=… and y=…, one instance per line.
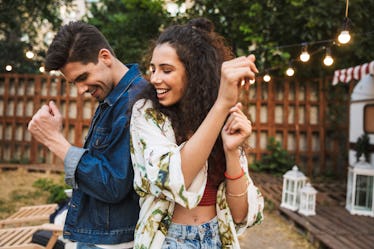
x=27, y=214
x=332, y=226
x=35, y=167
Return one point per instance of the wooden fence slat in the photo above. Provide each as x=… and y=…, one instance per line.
x=297, y=100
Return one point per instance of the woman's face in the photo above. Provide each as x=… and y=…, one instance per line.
x=168, y=75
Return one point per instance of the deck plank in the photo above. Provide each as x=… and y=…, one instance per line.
x=333, y=226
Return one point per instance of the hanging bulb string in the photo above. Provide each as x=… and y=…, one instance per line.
x=310, y=43
x=346, y=9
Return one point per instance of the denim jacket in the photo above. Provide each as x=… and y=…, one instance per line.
x=104, y=207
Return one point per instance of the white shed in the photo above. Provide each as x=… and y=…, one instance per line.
x=362, y=115
x=361, y=107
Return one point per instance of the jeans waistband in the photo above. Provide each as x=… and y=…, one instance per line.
x=204, y=231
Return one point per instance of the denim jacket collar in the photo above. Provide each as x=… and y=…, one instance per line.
x=123, y=85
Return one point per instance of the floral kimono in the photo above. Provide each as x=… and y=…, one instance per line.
x=160, y=184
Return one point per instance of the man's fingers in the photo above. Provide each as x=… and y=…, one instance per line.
x=53, y=108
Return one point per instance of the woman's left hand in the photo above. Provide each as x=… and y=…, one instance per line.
x=236, y=130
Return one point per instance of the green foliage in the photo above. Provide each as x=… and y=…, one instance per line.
x=269, y=29
x=129, y=25
x=266, y=28
x=20, y=24
x=269, y=205
x=56, y=191
x=22, y=160
x=362, y=147
x=5, y=208
x=18, y=195
x=276, y=162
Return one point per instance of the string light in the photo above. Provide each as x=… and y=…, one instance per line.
x=30, y=54
x=8, y=68
x=41, y=69
x=267, y=77
x=328, y=60
x=290, y=71
x=304, y=56
x=344, y=36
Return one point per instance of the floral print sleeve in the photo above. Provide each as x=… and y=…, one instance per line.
x=156, y=158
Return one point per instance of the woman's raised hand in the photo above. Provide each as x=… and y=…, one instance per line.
x=236, y=130
x=235, y=74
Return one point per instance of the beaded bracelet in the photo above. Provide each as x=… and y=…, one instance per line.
x=234, y=177
x=239, y=195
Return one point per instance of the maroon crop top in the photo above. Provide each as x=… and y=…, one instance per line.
x=210, y=195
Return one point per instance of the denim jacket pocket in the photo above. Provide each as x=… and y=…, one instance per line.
x=101, y=138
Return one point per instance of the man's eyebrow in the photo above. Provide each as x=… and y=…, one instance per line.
x=78, y=78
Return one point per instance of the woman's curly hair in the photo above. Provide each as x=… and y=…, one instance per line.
x=202, y=52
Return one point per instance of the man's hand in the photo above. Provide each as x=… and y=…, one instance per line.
x=46, y=127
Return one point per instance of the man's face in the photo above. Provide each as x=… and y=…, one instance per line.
x=95, y=79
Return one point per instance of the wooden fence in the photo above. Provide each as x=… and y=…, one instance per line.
x=310, y=118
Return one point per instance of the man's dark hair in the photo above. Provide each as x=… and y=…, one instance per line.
x=75, y=42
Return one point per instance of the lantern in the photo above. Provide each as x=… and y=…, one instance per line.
x=360, y=188
x=307, y=200
x=293, y=181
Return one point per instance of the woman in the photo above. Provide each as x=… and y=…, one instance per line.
x=190, y=172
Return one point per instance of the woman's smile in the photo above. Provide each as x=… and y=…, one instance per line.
x=161, y=91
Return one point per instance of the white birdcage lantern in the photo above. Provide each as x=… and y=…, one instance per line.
x=360, y=188
x=293, y=181
x=308, y=196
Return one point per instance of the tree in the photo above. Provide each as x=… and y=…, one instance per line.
x=129, y=25
x=275, y=29
x=20, y=23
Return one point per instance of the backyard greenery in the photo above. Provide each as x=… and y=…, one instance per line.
x=362, y=147
x=56, y=193
x=19, y=188
x=273, y=30
x=277, y=161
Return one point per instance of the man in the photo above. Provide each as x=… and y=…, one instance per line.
x=104, y=207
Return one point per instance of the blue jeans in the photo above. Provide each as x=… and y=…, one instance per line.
x=185, y=236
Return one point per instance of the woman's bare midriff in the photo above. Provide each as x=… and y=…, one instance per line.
x=196, y=216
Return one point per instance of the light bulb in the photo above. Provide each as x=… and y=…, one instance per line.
x=344, y=37
x=304, y=56
x=328, y=60
x=30, y=54
x=42, y=69
x=252, y=81
x=8, y=68
x=267, y=78
x=290, y=71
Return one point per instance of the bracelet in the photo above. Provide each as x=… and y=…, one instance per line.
x=234, y=177
x=239, y=195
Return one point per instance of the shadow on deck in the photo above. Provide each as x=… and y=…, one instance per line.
x=332, y=226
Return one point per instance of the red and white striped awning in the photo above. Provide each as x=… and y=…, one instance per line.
x=353, y=73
